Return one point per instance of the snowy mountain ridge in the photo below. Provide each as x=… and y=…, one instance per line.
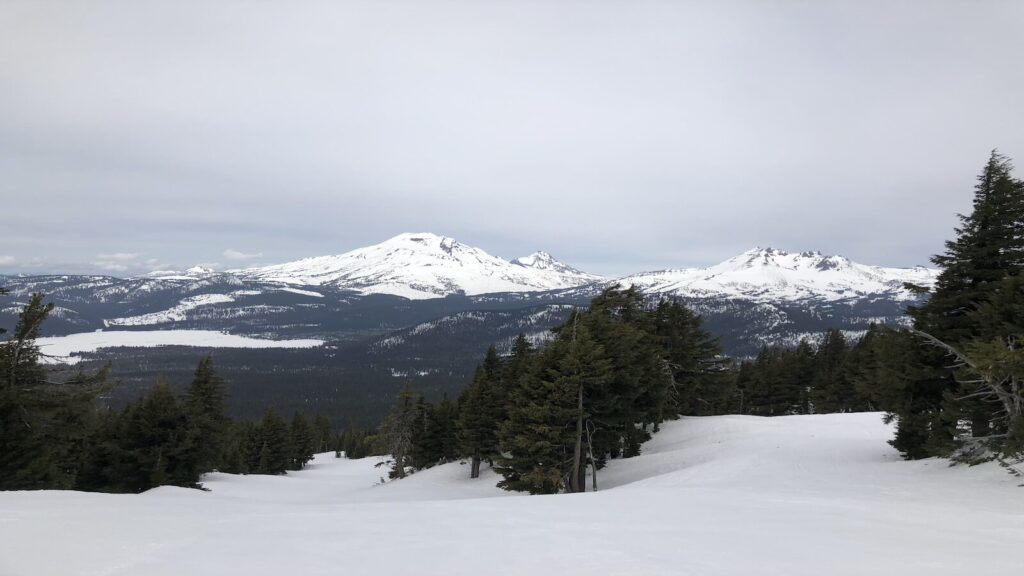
x=771, y=275
x=424, y=265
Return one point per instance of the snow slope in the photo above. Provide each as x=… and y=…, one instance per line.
x=769, y=275
x=61, y=348
x=176, y=314
x=733, y=495
x=419, y=266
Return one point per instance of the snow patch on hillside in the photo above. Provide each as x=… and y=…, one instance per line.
x=176, y=314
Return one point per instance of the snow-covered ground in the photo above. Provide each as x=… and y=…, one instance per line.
x=736, y=495
x=61, y=348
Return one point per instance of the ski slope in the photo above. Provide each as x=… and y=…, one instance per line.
x=731, y=495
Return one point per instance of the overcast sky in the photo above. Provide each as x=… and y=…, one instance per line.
x=619, y=136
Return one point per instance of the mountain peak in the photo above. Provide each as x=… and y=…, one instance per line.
x=770, y=274
x=426, y=265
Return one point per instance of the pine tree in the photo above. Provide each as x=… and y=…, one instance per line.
x=301, y=442
x=535, y=437
x=322, y=433
x=435, y=436
x=833, y=391
x=398, y=430
x=274, y=455
x=988, y=249
x=774, y=383
x=156, y=443
x=43, y=424
x=548, y=438
x=477, y=425
x=700, y=386
x=207, y=414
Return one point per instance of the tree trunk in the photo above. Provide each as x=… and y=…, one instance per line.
x=474, y=468
x=590, y=452
x=577, y=477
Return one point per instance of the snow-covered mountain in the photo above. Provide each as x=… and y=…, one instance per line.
x=770, y=275
x=422, y=266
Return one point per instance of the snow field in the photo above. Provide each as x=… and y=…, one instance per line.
x=731, y=495
x=61, y=348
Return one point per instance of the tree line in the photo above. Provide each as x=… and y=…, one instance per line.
x=58, y=435
x=547, y=418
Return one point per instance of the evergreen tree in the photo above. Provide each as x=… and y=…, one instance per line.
x=275, y=448
x=700, y=386
x=43, y=424
x=535, y=438
x=776, y=382
x=322, y=433
x=435, y=437
x=156, y=443
x=355, y=443
x=302, y=442
x=833, y=391
x=988, y=249
x=479, y=419
x=207, y=415
x=398, y=431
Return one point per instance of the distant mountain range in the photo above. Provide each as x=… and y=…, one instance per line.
x=425, y=307
x=424, y=266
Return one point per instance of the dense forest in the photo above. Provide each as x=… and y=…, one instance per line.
x=549, y=419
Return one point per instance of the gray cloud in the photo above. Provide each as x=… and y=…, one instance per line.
x=618, y=136
x=232, y=254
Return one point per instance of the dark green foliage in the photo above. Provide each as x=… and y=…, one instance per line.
x=477, y=428
x=301, y=442
x=275, y=454
x=435, y=436
x=776, y=382
x=970, y=309
x=989, y=247
x=804, y=380
x=158, y=446
x=355, y=443
x=832, y=388
x=536, y=436
x=207, y=415
x=322, y=435
x=398, y=430
x=895, y=373
x=700, y=384
x=44, y=425
x=612, y=374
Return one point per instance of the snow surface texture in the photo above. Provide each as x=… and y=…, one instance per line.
x=61, y=348
x=769, y=275
x=420, y=266
x=729, y=495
